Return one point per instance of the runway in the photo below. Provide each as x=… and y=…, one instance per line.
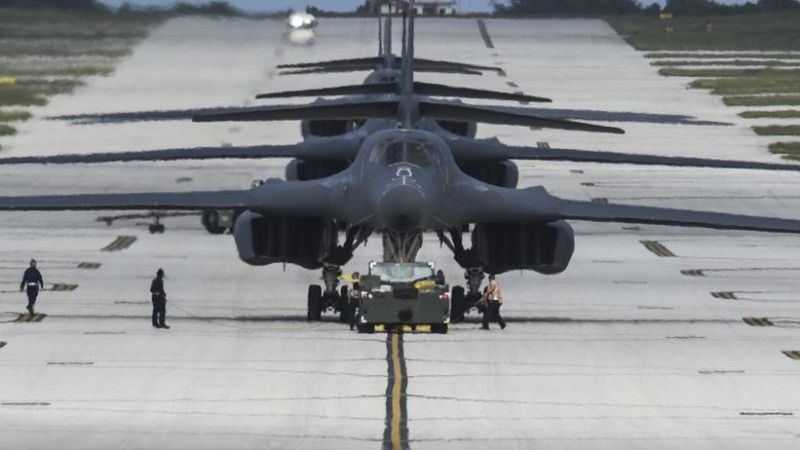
x=638, y=345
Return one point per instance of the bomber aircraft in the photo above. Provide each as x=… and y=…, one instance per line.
x=401, y=182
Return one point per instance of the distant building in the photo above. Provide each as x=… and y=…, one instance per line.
x=422, y=8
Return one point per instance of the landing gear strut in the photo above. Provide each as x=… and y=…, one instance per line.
x=463, y=301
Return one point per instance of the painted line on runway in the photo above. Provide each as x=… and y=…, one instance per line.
x=757, y=321
x=657, y=248
x=30, y=318
x=120, y=243
x=485, y=34
x=794, y=354
x=395, y=435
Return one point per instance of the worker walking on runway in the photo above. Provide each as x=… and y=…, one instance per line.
x=493, y=298
x=32, y=280
x=159, y=300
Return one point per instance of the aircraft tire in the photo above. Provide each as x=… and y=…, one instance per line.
x=457, y=304
x=314, y=303
x=439, y=328
x=211, y=222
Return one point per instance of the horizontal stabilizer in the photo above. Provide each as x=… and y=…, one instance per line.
x=149, y=201
x=603, y=212
x=349, y=110
x=363, y=68
x=488, y=114
x=355, y=89
x=428, y=89
x=371, y=63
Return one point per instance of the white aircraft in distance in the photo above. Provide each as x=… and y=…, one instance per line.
x=302, y=20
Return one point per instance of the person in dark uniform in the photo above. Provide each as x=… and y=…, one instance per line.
x=32, y=280
x=493, y=296
x=159, y=300
x=352, y=299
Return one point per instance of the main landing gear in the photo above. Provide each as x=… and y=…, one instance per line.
x=463, y=300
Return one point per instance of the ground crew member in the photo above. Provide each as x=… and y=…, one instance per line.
x=159, y=300
x=352, y=299
x=32, y=280
x=439, y=278
x=493, y=298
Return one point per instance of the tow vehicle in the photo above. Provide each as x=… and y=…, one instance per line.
x=402, y=296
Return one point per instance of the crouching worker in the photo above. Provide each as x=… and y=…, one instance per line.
x=31, y=282
x=159, y=298
x=493, y=299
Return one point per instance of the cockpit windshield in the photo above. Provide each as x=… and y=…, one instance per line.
x=394, y=152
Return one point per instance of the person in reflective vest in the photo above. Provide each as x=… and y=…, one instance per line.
x=493, y=299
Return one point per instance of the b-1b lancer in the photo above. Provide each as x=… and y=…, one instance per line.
x=402, y=182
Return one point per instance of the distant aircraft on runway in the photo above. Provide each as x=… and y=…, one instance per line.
x=401, y=182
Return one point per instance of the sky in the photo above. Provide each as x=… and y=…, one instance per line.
x=332, y=5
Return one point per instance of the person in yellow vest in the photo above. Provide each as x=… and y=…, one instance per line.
x=493, y=298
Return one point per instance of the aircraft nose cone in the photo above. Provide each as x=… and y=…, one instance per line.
x=401, y=209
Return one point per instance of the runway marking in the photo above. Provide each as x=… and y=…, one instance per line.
x=725, y=295
x=395, y=436
x=794, y=354
x=60, y=287
x=120, y=243
x=24, y=404
x=30, y=318
x=89, y=265
x=757, y=321
x=69, y=363
x=485, y=34
x=657, y=248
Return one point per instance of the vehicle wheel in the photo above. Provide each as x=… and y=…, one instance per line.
x=155, y=228
x=211, y=222
x=366, y=328
x=344, y=305
x=457, y=304
x=314, y=300
x=439, y=328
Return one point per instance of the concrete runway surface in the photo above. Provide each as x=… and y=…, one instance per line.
x=626, y=349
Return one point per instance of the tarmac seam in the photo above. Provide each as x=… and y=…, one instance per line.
x=395, y=435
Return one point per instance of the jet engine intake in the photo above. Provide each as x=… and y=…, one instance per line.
x=303, y=170
x=501, y=173
x=544, y=248
x=303, y=241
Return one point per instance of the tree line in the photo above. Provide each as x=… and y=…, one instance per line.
x=620, y=7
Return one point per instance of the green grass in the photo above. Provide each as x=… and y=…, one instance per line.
x=761, y=82
x=768, y=31
x=765, y=100
x=736, y=62
x=7, y=130
x=722, y=55
x=778, y=130
x=678, y=72
x=68, y=71
x=787, y=150
x=15, y=96
x=14, y=116
x=782, y=114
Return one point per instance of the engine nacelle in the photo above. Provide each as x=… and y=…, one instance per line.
x=501, y=173
x=502, y=247
x=302, y=170
x=326, y=128
x=303, y=241
x=464, y=129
